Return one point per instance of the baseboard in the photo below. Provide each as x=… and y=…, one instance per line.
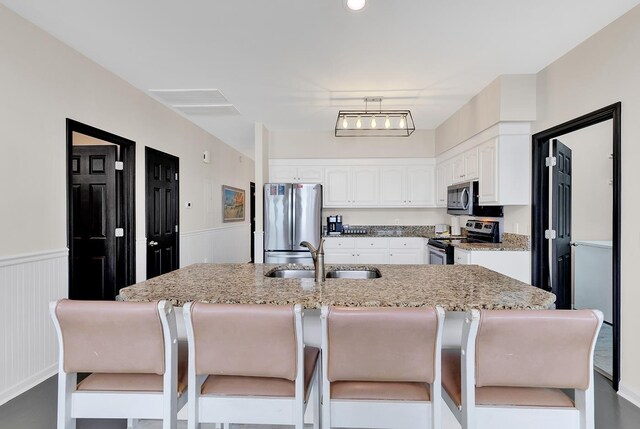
x=629, y=394
x=27, y=384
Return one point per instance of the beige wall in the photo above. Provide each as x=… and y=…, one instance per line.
x=324, y=144
x=601, y=71
x=592, y=193
x=43, y=82
x=507, y=98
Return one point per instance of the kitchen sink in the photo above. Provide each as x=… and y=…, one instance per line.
x=291, y=274
x=373, y=273
x=354, y=274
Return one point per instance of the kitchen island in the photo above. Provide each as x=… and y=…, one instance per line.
x=456, y=288
x=453, y=287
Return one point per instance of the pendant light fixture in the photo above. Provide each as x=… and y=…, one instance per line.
x=365, y=123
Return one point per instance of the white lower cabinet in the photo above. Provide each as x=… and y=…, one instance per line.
x=408, y=250
x=374, y=250
x=516, y=264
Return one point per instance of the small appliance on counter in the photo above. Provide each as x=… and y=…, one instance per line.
x=334, y=225
x=346, y=230
x=478, y=231
x=442, y=229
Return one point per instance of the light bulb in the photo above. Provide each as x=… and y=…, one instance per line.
x=345, y=123
x=373, y=122
x=356, y=5
x=358, y=123
x=402, y=123
x=387, y=123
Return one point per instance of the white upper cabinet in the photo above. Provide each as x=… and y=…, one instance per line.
x=465, y=166
x=351, y=187
x=421, y=186
x=444, y=178
x=337, y=187
x=295, y=174
x=399, y=182
x=364, y=184
x=392, y=186
x=498, y=158
x=412, y=186
x=503, y=174
x=471, y=164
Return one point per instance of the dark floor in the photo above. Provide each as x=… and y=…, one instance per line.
x=36, y=409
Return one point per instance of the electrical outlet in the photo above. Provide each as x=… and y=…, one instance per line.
x=397, y=221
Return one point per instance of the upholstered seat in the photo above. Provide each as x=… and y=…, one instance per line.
x=506, y=396
x=381, y=367
x=515, y=367
x=137, y=368
x=233, y=385
x=248, y=365
x=137, y=382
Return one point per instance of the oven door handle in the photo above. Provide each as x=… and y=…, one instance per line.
x=436, y=249
x=465, y=205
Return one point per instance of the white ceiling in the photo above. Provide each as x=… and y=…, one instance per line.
x=292, y=64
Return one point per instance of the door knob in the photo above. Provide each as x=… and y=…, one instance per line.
x=153, y=243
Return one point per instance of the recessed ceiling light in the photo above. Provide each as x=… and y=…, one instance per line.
x=355, y=5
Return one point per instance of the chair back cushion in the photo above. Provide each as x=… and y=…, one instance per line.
x=244, y=340
x=382, y=344
x=535, y=348
x=111, y=337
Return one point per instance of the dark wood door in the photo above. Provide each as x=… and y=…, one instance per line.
x=93, y=201
x=561, y=223
x=162, y=212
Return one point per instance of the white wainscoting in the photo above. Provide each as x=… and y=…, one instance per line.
x=225, y=244
x=28, y=344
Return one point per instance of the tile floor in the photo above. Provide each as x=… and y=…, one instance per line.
x=36, y=409
x=603, y=353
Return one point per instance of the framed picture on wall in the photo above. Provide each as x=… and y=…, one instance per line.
x=232, y=204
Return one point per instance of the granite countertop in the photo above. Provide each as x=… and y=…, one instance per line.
x=390, y=234
x=454, y=287
x=493, y=247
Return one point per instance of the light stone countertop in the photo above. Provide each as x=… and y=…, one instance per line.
x=504, y=247
x=454, y=287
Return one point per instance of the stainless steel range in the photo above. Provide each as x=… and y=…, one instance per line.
x=478, y=231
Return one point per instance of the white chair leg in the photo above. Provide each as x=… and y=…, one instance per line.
x=132, y=423
x=66, y=387
x=315, y=397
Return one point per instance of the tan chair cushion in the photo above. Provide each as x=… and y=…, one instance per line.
x=137, y=382
x=111, y=337
x=230, y=385
x=381, y=344
x=244, y=340
x=384, y=391
x=535, y=348
x=505, y=396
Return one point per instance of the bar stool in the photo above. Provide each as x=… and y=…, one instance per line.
x=131, y=351
x=248, y=364
x=381, y=367
x=514, y=364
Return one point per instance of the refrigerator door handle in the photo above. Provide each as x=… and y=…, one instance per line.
x=292, y=219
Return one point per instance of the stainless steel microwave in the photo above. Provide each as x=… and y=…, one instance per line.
x=462, y=199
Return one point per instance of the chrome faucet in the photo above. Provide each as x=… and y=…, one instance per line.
x=318, y=259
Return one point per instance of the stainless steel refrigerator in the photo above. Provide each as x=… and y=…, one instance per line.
x=292, y=214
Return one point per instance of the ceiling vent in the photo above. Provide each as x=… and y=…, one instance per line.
x=210, y=102
x=208, y=109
